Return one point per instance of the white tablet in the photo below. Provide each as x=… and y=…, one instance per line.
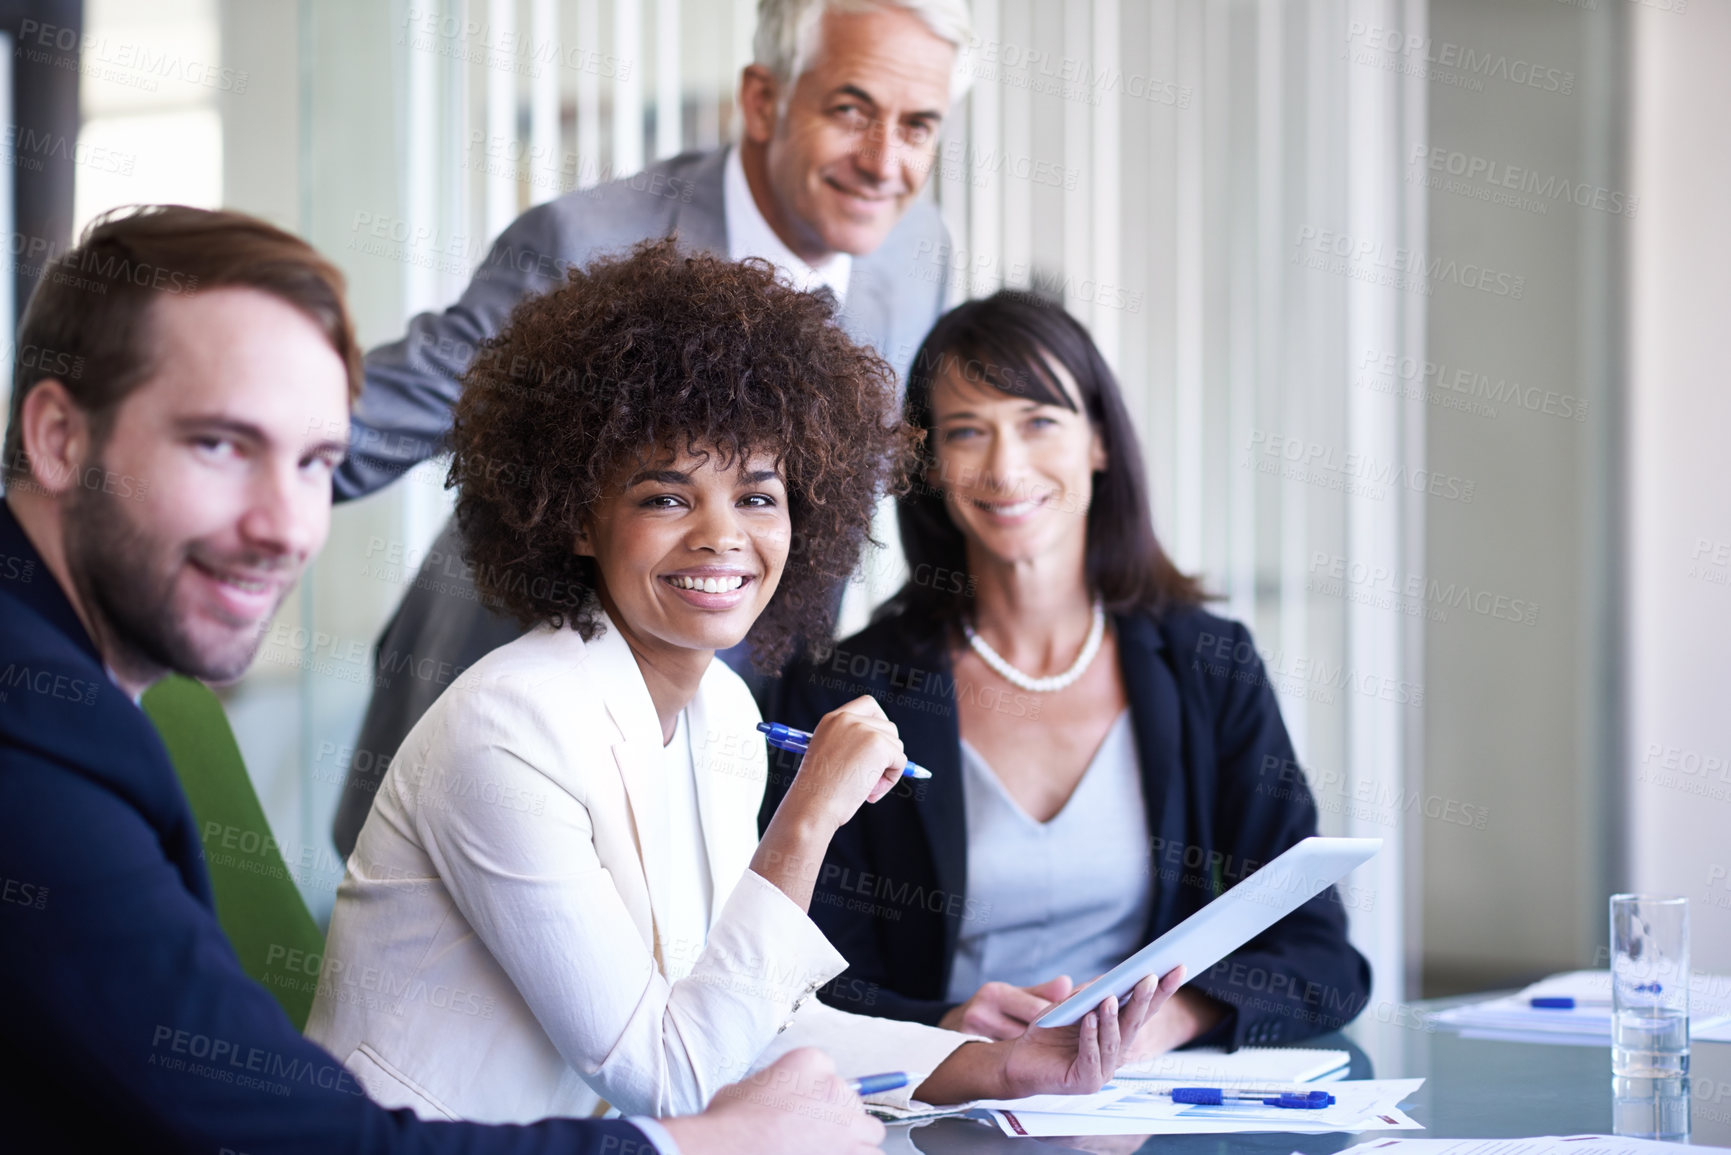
x=1282, y=886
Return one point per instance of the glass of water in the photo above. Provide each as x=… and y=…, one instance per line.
x=1650, y=1015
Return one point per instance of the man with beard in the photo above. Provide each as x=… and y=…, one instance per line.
x=181, y=401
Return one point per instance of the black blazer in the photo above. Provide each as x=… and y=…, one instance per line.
x=130, y=1025
x=1224, y=795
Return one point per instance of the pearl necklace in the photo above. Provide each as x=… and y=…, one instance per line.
x=1042, y=685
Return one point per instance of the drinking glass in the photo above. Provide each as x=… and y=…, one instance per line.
x=1650, y=1015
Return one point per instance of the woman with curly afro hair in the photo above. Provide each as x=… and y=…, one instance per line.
x=559, y=900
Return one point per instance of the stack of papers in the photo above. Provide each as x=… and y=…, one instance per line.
x=1258, y=1065
x=1515, y=1019
x=1543, y=1145
x=1199, y=1066
x=1139, y=1108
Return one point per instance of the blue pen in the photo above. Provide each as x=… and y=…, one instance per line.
x=1564, y=1003
x=795, y=741
x=1217, y=1096
x=878, y=1084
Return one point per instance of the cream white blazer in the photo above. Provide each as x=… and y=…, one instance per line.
x=498, y=947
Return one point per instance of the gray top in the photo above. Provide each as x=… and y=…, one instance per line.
x=1069, y=896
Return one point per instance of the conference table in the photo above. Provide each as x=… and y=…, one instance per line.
x=1473, y=1088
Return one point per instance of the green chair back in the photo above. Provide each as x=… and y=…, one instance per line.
x=257, y=903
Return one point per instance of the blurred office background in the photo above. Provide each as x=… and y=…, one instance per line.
x=1419, y=306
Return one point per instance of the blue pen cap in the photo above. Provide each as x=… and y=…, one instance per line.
x=878, y=1084
x=1308, y=1101
x=1201, y=1096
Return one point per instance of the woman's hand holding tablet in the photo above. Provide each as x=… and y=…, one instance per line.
x=1293, y=878
x=1077, y=1059
x=1003, y=1010
x=1106, y=1035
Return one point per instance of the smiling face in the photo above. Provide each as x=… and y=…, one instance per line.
x=857, y=136
x=187, y=528
x=689, y=549
x=1017, y=474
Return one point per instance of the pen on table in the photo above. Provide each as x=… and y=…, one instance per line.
x=1218, y=1096
x=1564, y=1002
x=878, y=1084
x=795, y=741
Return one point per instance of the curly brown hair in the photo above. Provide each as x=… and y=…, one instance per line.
x=631, y=360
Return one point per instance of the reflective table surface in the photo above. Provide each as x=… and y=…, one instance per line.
x=1473, y=1088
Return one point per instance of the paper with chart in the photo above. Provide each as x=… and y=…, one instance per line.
x=1141, y=1109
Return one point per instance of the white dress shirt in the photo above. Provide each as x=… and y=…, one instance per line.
x=499, y=949
x=749, y=235
x=688, y=921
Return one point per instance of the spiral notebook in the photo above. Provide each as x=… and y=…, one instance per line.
x=1213, y=1065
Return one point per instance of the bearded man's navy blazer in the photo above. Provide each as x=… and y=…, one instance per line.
x=1222, y=787
x=129, y=1024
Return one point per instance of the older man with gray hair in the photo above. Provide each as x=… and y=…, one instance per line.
x=840, y=111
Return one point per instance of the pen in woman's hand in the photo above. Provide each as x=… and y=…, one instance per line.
x=795, y=741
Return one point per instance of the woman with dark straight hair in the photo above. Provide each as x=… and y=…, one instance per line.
x=1018, y=345
x=1107, y=755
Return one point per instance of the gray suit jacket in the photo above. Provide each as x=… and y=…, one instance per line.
x=404, y=414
